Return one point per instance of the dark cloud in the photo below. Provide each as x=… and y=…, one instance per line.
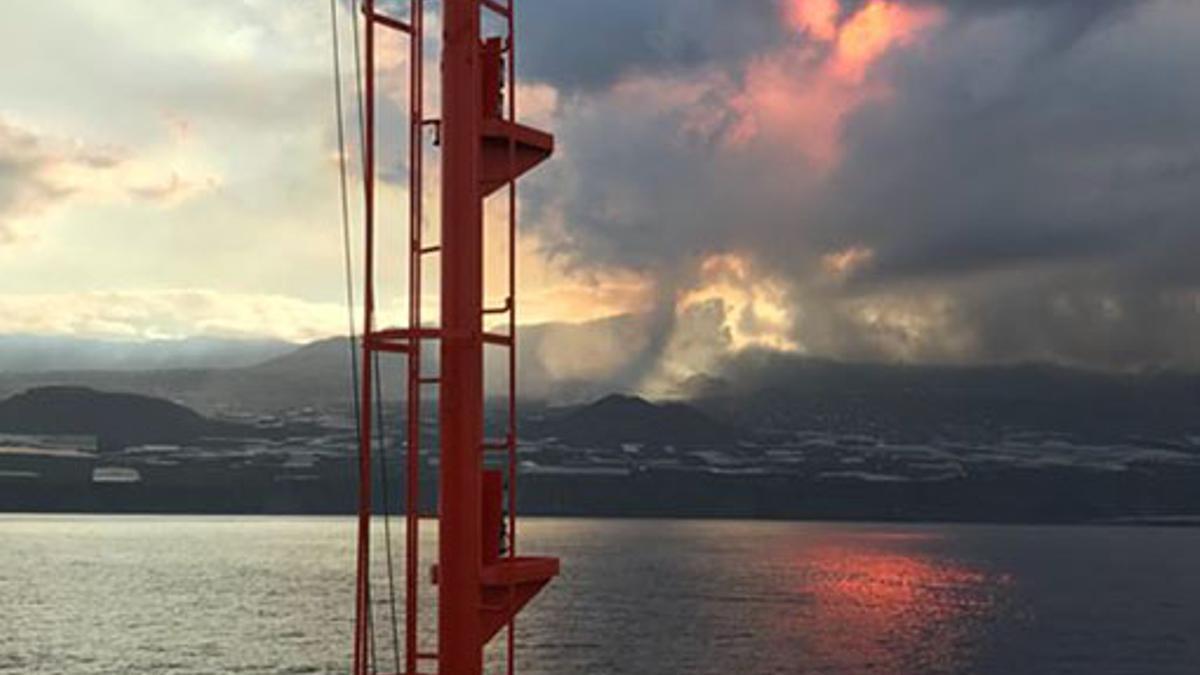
x=584, y=44
x=1030, y=189
x=1091, y=155
x=1051, y=191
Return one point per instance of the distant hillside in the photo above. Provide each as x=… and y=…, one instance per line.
x=561, y=362
x=117, y=420
x=36, y=353
x=619, y=419
x=314, y=375
x=918, y=403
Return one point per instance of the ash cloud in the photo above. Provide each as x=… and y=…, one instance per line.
x=587, y=45
x=1027, y=186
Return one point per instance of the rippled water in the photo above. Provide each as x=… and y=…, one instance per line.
x=177, y=595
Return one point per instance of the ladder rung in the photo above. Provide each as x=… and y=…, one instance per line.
x=496, y=445
x=497, y=7
x=406, y=334
x=497, y=339
x=384, y=342
x=389, y=347
x=429, y=380
x=390, y=22
x=427, y=655
x=505, y=309
x=426, y=250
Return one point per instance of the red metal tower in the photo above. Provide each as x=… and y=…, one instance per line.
x=481, y=582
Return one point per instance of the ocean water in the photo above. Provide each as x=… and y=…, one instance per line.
x=119, y=595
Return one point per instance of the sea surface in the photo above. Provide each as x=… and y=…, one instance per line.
x=146, y=595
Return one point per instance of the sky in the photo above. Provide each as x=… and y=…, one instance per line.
x=926, y=181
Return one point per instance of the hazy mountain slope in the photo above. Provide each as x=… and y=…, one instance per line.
x=563, y=362
x=39, y=353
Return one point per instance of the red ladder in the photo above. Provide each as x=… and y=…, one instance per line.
x=503, y=582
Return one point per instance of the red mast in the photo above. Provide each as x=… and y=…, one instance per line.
x=460, y=524
x=481, y=582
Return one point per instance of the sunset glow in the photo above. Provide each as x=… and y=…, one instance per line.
x=843, y=263
x=869, y=593
x=858, y=157
x=800, y=95
x=879, y=26
x=819, y=18
x=654, y=337
x=756, y=309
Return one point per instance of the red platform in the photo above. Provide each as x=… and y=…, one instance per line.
x=529, y=146
x=507, y=586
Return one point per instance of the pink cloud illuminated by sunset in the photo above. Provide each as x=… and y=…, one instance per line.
x=800, y=95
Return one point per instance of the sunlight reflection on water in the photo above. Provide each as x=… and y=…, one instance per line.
x=103, y=595
x=881, y=603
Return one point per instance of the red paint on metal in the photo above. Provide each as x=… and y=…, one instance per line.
x=492, y=79
x=461, y=404
x=483, y=150
x=362, y=586
x=492, y=517
x=417, y=250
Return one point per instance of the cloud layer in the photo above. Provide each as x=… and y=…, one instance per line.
x=911, y=180
x=921, y=181
x=39, y=172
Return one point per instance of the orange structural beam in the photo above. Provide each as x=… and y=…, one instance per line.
x=479, y=591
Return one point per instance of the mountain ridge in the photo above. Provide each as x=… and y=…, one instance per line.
x=619, y=418
x=116, y=419
x=753, y=390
